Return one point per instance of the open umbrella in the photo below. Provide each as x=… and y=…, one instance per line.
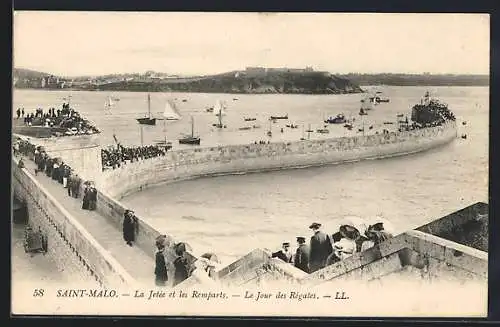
x=211, y=257
x=386, y=224
x=355, y=222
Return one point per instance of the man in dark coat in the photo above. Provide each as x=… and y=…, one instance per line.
x=284, y=254
x=301, y=259
x=77, y=181
x=321, y=248
x=70, y=184
x=129, y=227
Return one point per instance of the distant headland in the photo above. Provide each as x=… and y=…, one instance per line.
x=252, y=80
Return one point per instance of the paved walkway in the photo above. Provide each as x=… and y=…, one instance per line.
x=138, y=263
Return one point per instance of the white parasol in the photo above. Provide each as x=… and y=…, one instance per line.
x=388, y=226
x=356, y=222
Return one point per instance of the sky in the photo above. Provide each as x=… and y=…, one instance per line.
x=96, y=43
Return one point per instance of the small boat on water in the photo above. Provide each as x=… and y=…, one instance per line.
x=147, y=120
x=256, y=126
x=292, y=126
x=249, y=119
x=379, y=97
x=184, y=100
x=339, y=119
x=388, y=123
x=245, y=128
x=191, y=139
x=322, y=131
x=235, y=99
x=362, y=112
x=220, y=110
x=279, y=117
x=210, y=109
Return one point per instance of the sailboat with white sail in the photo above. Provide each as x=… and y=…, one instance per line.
x=108, y=104
x=171, y=112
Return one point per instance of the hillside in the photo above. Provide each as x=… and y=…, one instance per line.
x=418, y=80
x=27, y=73
x=284, y=82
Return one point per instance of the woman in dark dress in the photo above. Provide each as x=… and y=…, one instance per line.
x=161, y=272
x=130, y=227
x=180, y=265
x=86, y=195
x=92, y=198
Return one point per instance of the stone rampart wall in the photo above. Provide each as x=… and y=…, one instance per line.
x=198, y=162
x=82, y=152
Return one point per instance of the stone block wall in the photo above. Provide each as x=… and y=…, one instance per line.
x=199, y=162
x=82, y=152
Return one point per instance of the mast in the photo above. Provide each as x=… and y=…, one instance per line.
x=192, y=126
x=165, y=130
x=142, y=138
x=149, y=106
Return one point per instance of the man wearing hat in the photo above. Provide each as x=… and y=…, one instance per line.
x=321, y=247
x=301, y=259
x=284, y=254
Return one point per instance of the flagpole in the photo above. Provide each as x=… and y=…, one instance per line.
x=142, y=138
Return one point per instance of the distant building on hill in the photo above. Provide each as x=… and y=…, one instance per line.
x=255, y=71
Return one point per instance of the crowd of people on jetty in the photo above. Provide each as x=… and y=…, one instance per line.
x=65, y=118
x=59, y=171
x=324, y=250
x=63, y=174
x=115, y=156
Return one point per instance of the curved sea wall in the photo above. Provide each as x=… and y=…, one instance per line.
x=198, y=162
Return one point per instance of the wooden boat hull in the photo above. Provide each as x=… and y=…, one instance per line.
x=146, y=121
x=190, y=140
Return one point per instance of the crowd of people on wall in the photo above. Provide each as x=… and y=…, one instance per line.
x=66, y=118
x=324, y=250
x=115, y=156
x=59, y=171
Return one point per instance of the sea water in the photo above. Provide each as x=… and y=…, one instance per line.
x=232, y=215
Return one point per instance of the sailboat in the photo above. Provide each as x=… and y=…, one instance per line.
x=171, y=112
x=108, y=104
x=194, y=140
x=147, y=120
x=367, y=104
x=220, y=111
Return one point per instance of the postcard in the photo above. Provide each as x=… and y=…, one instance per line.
x=250, y=164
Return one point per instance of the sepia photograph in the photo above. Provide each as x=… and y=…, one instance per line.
x=250, y=164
